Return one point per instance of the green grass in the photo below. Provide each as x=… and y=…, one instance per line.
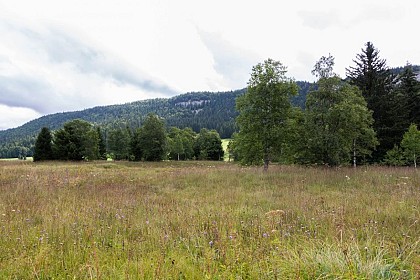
x=207, y=220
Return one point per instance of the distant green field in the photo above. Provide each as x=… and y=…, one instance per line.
x=225, y=143
x=207, y=220
x=16, y=159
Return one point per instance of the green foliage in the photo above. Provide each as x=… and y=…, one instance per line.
x=119, y=140
x=338, y=124
x=196, y=110
x=264, y=111
x=407, y=91
x=411, y=144
x=150, y=140
x=181, y=143
x=208, y=145
x=101, y=144
x=77, y=140
x=43, y=145
x=323, y=68
x=395, y=157
x=376, y=81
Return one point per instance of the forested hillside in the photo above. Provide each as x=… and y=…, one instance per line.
x=211, y=110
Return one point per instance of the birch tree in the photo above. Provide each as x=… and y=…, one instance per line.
x=411, y=144
x=264, y=111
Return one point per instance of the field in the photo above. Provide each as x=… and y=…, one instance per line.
x=207, y=220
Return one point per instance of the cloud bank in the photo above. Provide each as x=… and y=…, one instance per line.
x=44, y=70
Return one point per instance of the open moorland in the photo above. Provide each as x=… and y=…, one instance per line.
x=207, y=220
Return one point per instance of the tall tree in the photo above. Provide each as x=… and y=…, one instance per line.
x=411, y=144
x=375, y=80
x=101, y=144
x=264, y=111
x=43, y=145
x=338, y=124
x=119, y=143
x=151, y=139
x=408, y=89
x=208, y=145
x=77, y=140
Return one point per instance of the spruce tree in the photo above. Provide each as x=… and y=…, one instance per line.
x=43, y=145
x=409, y=88
x=372, y=76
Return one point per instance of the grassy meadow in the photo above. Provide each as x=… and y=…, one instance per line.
x=207, y=220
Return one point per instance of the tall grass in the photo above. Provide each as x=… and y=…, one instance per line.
x=198, y=220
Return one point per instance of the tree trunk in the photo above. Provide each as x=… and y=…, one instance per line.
x=266, y=162
x=415, y=161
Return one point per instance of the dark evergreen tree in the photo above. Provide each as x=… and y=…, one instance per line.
x=408, y=87
x=43, y=145
x=77, y=140
x=101, y=144
x=375, y=80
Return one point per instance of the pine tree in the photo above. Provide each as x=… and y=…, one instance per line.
x=43, y=145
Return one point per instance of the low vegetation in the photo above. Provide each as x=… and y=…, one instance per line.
x=207, y=220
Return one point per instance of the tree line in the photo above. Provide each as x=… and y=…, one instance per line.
x=371, y=116
x=80, y=140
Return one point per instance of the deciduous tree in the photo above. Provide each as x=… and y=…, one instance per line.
x=264, y=111
x=337, y=121
x=151, y=140
x=411, y=144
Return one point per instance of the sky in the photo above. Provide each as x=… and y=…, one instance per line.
x=58, y=56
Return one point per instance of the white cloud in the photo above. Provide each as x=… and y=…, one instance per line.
x=57, y=56
x=15, y=116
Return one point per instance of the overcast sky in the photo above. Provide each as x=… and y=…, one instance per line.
x=59, y=56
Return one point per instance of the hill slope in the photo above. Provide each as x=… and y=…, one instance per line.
x=196, y=110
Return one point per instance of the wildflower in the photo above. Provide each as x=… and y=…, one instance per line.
x=211, y=243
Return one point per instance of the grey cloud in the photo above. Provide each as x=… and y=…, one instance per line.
x=62, y=48
x=27, y=92
x=232, y=62
x=52, y=48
